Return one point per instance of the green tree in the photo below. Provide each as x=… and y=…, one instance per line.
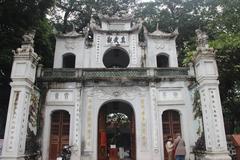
x=172, y=14
x=221, y=21
x=224, y=31
x=69, y=14
x=16, y=18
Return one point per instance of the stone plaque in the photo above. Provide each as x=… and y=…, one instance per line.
x=117, y=39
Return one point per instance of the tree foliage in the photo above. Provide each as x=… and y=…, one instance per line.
x=16, y=18
x=172, y=14
x=226, y=41
x=69, y=14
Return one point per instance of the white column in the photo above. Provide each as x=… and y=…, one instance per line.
x=214, y=131
x=46, y=133
x=23, y=76
x=207, y=77
x=155, y=140
x=76, y=149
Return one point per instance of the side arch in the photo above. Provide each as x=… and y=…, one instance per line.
x=162, y=60
x=68, y=60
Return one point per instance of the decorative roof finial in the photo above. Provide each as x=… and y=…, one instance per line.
x=202, y=39
x=157, y=27
x=28, y=37
x=73, y=27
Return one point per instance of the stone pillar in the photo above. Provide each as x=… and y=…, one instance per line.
x=23, y=77
x=154, y=132
x=207, y=77
x=76, y=149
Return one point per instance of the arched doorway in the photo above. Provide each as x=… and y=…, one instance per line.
x=116, y=131
x=60, y=123
x=116, y=58
x=171, y=126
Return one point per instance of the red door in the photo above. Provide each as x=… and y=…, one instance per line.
x=102, y=137
x=60, y=122
x=133, y=140
x=171, y=126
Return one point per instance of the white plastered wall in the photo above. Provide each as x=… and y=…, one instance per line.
x=94, y=99
x=157, y=46
x=69, y=45
x=182, y=105
x=55, y=103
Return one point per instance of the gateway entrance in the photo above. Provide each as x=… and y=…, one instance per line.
x=116, y=131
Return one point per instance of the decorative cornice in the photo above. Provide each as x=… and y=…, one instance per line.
x=160, y=34
x=114, y=75
x=72, y=34
x=100, y=30
x=115, y=18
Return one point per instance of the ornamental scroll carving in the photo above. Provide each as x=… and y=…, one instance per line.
x=116, y=92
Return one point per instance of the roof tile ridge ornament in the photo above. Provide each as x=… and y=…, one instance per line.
x=73, y=33
x=95, y=27
x=202, y=43
x=124, y=17
x=161, y=34
x=157, y=27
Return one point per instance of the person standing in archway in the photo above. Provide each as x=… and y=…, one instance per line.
x=180, y=150
x=169, y=147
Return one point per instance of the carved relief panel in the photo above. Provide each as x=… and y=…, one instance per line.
x=170, y=96
x=144, y=139
x=60, y=97
x=89, y=125
x=117, y=92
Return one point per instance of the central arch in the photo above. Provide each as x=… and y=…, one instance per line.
x=116, y=131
